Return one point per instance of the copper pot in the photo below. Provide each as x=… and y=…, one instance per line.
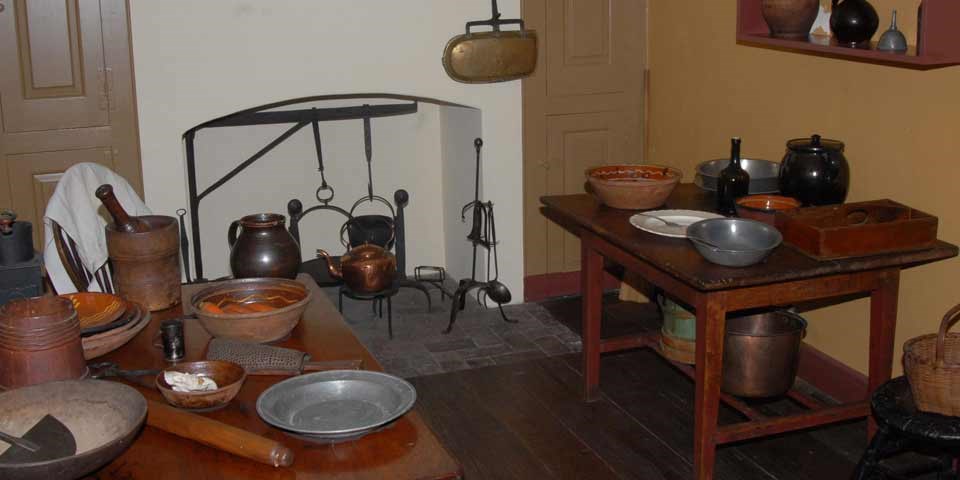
x=366, y=268
x=761, y=353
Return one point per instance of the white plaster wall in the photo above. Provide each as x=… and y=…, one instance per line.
x=460, y=127
x=195, y=61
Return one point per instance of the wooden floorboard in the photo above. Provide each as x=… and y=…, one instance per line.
x=660, y=398
x=629, y=447
x=485, y=447
x=530, y=418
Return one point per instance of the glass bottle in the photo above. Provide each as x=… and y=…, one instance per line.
x=734, y=181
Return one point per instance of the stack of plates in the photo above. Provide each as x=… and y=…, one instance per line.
x=107, y=321
x=336, y=405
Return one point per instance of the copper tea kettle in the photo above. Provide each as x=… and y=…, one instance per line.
x=366, y=268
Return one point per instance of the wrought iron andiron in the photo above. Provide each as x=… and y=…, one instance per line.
x=483, y=234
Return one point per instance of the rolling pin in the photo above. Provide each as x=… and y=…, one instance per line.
x=218, y=435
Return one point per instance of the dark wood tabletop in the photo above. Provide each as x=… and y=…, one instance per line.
x=677, y=257
x=406, y=449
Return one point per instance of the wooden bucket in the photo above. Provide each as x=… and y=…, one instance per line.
x=678, y=336
x=146, y=267
x=39, y=342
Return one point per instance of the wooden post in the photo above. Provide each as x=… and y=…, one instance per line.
x=711, y=326
x=883, y=327
x=591, y=268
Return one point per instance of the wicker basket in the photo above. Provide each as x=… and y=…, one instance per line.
x=932, y=365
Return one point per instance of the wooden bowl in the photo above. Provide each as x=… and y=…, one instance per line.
x=633, y=187
x=289, y=297
x=228, y=375
x=97, y=311
x=764, y=208
x=106, y=342
x=103, y=416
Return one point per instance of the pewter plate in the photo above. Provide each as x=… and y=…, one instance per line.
x=336, y=404
x=680, y=217
x=763, y=174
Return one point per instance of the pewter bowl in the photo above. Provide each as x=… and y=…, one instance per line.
x=763, y=174
x=734, y=242
x=336, y=405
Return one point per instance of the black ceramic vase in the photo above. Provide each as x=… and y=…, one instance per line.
x=853, y=22
x=815, y=171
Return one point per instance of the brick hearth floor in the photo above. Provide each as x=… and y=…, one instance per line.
x=479, y=338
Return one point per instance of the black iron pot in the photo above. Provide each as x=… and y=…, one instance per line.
x=815, y=171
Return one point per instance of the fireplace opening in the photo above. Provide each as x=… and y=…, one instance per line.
x=316, y=150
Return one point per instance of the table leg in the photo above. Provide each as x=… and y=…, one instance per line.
x=883, y=326
x=591, y=271
x=711, y=325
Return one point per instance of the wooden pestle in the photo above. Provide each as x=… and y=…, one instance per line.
x=218, y=435
x=122, y=221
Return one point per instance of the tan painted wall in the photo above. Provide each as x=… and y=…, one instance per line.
x=901, y=127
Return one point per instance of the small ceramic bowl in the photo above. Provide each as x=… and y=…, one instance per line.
x=764, y=208
x=228, y=375
x=633, y=187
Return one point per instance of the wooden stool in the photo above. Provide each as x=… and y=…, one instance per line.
x=902, y=427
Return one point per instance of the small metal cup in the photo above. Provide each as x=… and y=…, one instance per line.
x=171, y=339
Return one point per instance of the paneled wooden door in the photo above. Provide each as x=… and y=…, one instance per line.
x=584, y=106
x=66, y=96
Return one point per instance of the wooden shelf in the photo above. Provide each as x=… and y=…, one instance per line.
x=941, y=38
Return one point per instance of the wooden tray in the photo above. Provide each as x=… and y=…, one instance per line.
x=857, y=229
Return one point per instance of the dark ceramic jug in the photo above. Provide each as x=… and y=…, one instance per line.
x=789, y=18
x=853, y=22
x=815, y=171
x=264, y=247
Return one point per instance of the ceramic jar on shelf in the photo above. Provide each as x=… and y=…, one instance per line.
x=853, y=22
x=789, y=18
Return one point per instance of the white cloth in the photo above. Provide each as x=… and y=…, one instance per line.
x=74, y=206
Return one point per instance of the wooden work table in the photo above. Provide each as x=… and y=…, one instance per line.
x=406, y=449
x=787, y=277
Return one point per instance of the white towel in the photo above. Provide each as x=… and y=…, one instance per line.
x=74, y=206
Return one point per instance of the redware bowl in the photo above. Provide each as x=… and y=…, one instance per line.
x=633, y=187
x=228, y=375
x=290, y=298
x=764, y=208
